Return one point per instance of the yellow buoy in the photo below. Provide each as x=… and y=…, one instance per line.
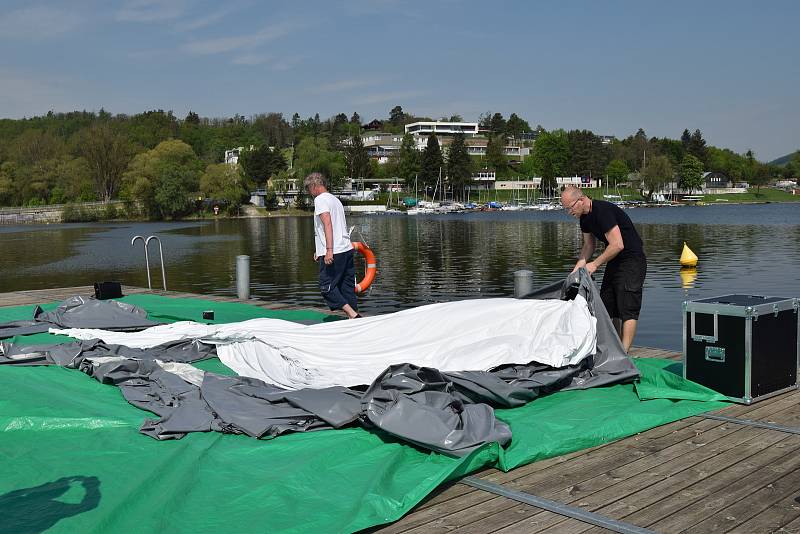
x=688, y=276
x=688, y=258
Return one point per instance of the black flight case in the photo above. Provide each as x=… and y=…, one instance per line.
x=743, y=346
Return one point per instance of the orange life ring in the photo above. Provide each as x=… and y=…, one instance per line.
x=372, y=266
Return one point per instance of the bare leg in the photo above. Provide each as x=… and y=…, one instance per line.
x=351, y=313
x=628, y=333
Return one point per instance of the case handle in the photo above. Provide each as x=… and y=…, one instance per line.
x=699, y=337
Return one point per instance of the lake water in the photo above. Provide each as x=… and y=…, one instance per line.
x=424, y=259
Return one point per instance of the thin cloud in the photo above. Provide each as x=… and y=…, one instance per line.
x=284, y=64
x=230, y=44
x=342, y=85
x=202, y=22
x=251, y=59
x=379, y=98
x=37, y=23
x=150, y=11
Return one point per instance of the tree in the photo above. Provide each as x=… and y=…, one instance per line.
x=432, y=163
x=588, y=155
x=273, y=129
x=497, y=124
x=686, y=138
x=761, y=176
x=7, y=189
x=794, y=165
x=656, y=175
x=459, y=166
x=192, y=118
x=551, y=156
x=357, y=158
x=408, y=164
x=163, y=179
x=107, y=153
x=495, y=154
x=515, y=126
x=355, y=119
x=691, y=173
x=640, y=147
x=225, y=183
x=261, y=163
x=697, y=146
x=396, y=116
x=33, y=146
x=314, y=154
x=617, y=171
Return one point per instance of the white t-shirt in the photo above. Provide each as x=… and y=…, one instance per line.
x=327, y=203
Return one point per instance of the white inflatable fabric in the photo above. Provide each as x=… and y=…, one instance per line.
x=474, y=335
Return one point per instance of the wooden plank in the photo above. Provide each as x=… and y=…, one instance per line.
x=669, y=480
x=611, y=482
x=780, y=514
x=460, y=496
x=618, y=453
x=648, y=442
x=746, y=498
x=716, y=493
x=580, y=462
x=656, y=502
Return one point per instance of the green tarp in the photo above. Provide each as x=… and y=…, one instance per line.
x=72, y=459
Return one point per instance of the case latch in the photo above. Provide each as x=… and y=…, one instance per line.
x=715, y=354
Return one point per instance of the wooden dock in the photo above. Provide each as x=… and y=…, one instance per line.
x=694, y=475
x=734, y=470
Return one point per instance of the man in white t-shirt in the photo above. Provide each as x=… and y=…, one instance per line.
x=332, y=248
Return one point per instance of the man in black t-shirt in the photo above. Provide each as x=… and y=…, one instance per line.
x=624, y=255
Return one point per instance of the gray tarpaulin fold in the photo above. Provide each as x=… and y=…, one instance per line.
x=446, y=412
x=81, y=312
x=67, y=354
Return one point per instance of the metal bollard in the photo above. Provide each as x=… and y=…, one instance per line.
x=243, y=277
x=523, y=283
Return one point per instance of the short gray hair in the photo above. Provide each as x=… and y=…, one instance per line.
x=315, y=179
x=572, y=192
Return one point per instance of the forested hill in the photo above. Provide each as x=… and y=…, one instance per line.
x=783, y=160
x=163, y=163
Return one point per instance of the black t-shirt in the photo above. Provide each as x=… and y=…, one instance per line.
x=605, y=216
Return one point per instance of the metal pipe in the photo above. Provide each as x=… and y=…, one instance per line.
x=523, y=283
x=161, y=254
x=146, y=259
x=243, y=277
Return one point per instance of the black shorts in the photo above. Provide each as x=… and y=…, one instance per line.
x=337, y=281
x=622, y=287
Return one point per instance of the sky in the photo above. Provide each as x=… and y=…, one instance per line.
x=729, y=68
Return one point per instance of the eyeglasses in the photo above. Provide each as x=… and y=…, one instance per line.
x=573, y=204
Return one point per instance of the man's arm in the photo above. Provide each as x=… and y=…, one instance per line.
x=587, y=250
x=326, y=224
x=614, y=247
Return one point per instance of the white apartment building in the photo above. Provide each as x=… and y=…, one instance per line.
x=469, y=129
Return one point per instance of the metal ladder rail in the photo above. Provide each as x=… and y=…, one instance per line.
x=147, y=259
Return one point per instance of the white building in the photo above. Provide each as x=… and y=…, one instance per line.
x=469, y=129
x=381, y=146
x=535, y=181
x=232, y=155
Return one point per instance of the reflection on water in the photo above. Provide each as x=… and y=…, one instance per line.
x=425, y=259
x=688, y=276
